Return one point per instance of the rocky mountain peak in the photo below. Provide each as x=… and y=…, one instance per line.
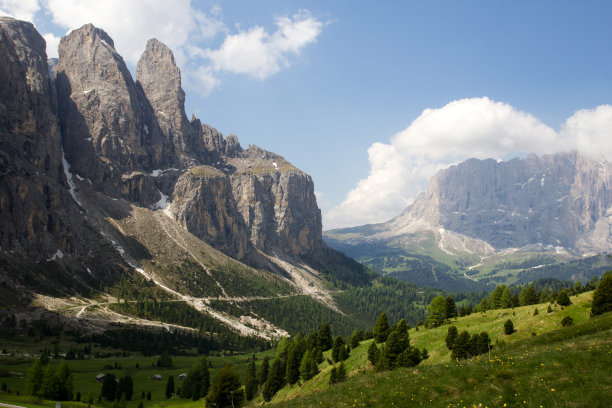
x=560, y=200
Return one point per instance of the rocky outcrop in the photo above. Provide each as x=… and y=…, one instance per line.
x=276, y=201
x=34, y=202
x=561, y=200
x=204, y=205
x=104, y=129
x=160, y=80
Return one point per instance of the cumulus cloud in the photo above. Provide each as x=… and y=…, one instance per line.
x=477, y=127
x=20, y=9
x=132, y=23
x=259, y=54
x=186, y=29
x=52, y=44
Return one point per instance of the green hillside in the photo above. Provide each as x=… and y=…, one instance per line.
x=541, y=364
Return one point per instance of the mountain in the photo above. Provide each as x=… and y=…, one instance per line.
x=484, y=213
x=106, y=186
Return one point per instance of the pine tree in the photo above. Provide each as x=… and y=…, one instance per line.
x=276, y=379
x=451, y=336
x=403, y=335
x=373, y=353
x=197, y=382
x=148, y=395
x=293, y=366
x=170, y=387
x=383, y=363
x=226, y=390
x=505, y=300
x=393, y=348
x=34, y=378
x=338, y=344
x=436, y=311
x=450, y=309
x=333, y=376
x=461, y=348
x=324, y=340
x=264, y=370
x=508, y=327
x=409, y=358
x=563, y=298
x=109, y=387
x=381, y=328
x=250, y=381
x=356, y=338
x=602, y=298
x=340, y=373
x=308, y=366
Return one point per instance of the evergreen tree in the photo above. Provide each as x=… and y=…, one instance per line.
x=450, y=309
x=324, y=341
x=410, y=357
x=461, y=348
x=602, y=298
x=345, y=352
x=64, y=381
x=148, y=395
x=293, y=367
x=340, y=373
x=505, y=300
x=451, y=336
x=34, y=378
x=381, y=328
x=197, y=382
x=170, y=387
x=495, y=298
x=308, y=366
x=393, y=348
x=383, y=363
x=508, y=327
x=318, y=355
x=483, y=342
x=276, y=379
x=535, y=311
x=403, y=335
x=436, y=311
x=373, y=353
x=356, y=338
x=333, y=376
x=226, y=390
x=532, y=296
x=563, y=298
x=250, y=381
x=336, y=349
x=109, y=387
x=483, y=306
x=264, y=370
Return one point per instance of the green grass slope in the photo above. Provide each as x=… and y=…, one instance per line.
x=558, y=367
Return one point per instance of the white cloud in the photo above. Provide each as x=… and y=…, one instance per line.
x=256, y=53
x=52, y=44
x=186, y=29
x=477, y=127
x=132, y=23
x=590, y=131
x=19, y=9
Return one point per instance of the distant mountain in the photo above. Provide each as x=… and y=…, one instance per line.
x=480, y=210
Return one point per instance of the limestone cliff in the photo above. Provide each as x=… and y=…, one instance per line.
x=560, y=200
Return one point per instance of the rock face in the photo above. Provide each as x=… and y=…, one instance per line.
x=560, y=200
x=277, y=202
x=204, y=205
x=104, y=130
x=32, y=183
x=131, y=140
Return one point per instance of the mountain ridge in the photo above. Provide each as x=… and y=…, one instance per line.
x=104, y=179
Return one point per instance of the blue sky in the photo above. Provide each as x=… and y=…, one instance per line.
x=371, y=98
